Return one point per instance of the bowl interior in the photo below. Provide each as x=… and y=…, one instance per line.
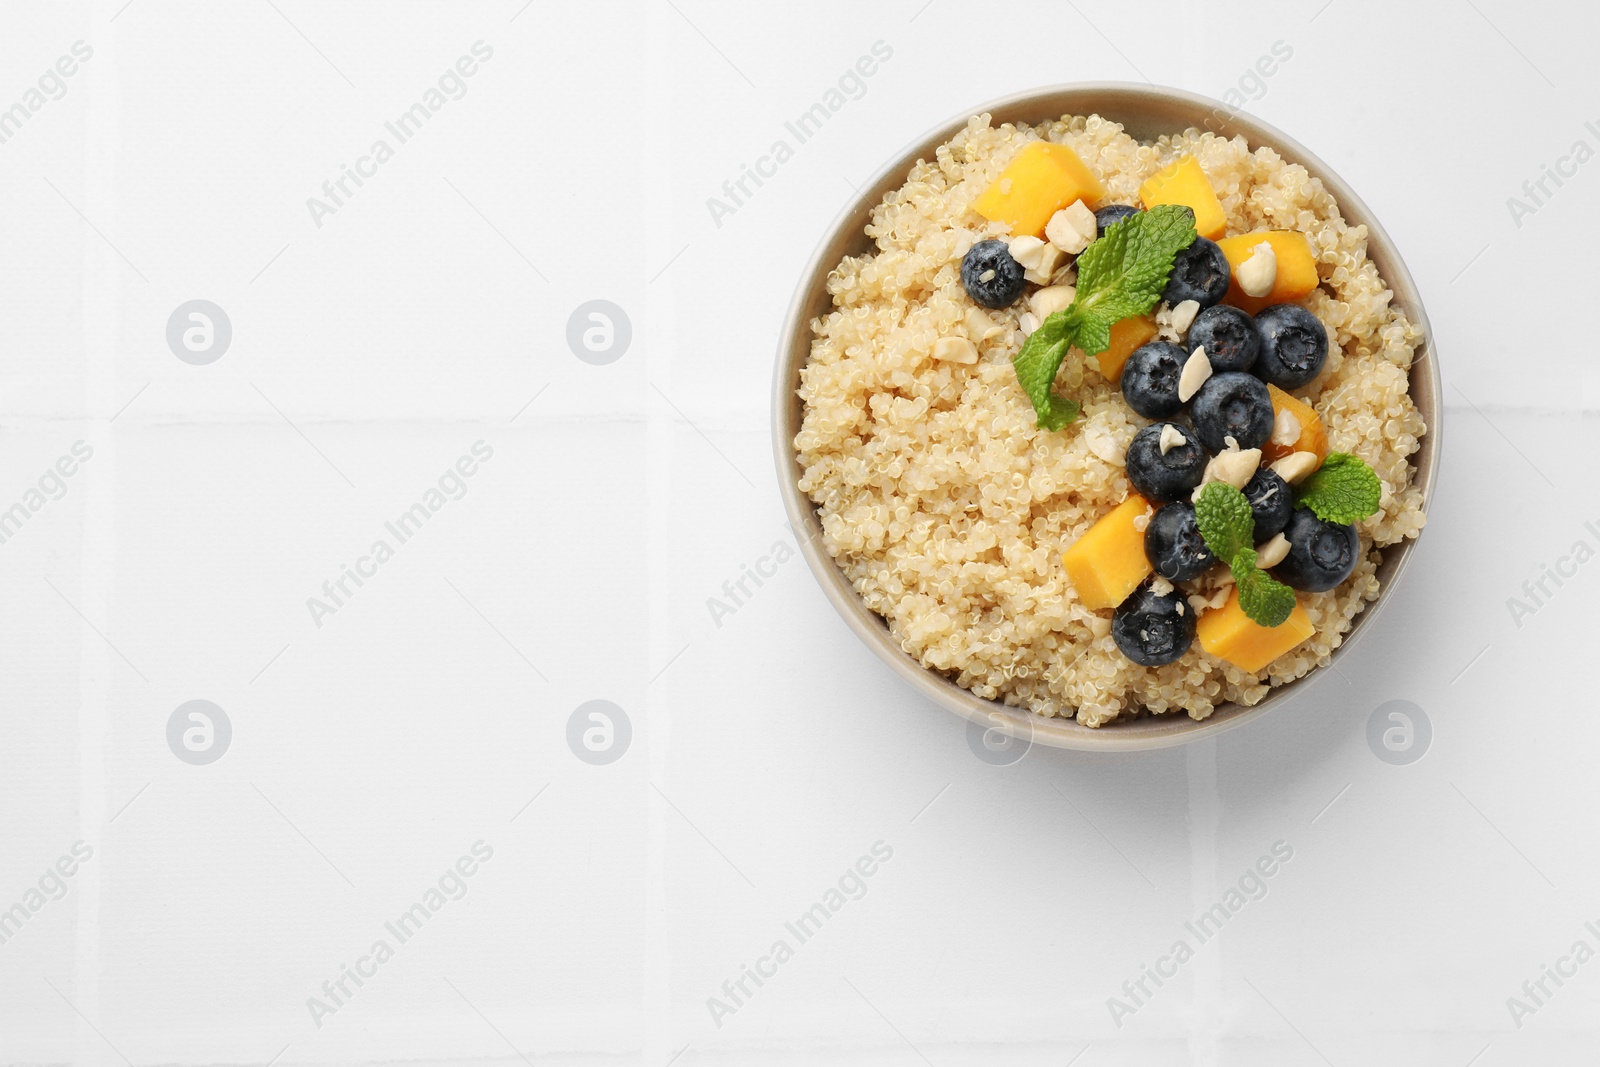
x=1146, y=113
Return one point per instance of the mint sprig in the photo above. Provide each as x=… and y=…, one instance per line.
x=1262, y=597
x=1228, y=528
x=1123, y=273
x=1226, y=522
x=1343, y=490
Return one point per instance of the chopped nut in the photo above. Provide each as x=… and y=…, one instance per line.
x=1064, y=235
x=1050, y=258
x=1296, y=466
x=1182, y=316
x=1195, y=372
x=1273, y=552
x=1171, y=437
x=1257, y=273
x=954, y=350
x=1072, y=228
x=980, y=327
x=1285, y=429
x=1026, y=251
x=1199, y=602
x=1104, y=445
x=1235, y=466
x=1082, y=217
x=1160, y=586
x=1049, y=300
x=1027, y=322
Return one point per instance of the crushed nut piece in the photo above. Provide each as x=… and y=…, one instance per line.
x=1171, y=437
x=1273, y=552
x=1050, y=258
x=980, y=327
x=1195, y=372
x=1026, y=251
x=954, y=350
x=1235, y=466
x=1049, y=300
x=1182, y=316
x=1285, y=429
x=1072, y=228
x=1296, y=466
x=1256, y=274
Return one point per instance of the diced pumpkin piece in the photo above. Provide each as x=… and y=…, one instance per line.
x=1229, y=634
x=1126, y=335
x=1043, y=178
x=1297, y=267
x=1313, y=435
x=1108, y=561
x=1183, y=182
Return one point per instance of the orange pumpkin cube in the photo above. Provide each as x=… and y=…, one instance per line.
x=1297, y=267
x=1183, y=182
x=1229, y=634
x=1126, y=336
x=1313, y=435
x=1043, y=178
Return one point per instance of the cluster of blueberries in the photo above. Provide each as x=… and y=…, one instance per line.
x=1283, y=344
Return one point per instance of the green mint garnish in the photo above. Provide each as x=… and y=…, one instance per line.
x=1119, y=275
x=1228, y=528
x=1343, y=490
x=1226, y=523
x=1262, y=597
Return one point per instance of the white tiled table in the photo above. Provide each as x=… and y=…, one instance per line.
x=769, y=752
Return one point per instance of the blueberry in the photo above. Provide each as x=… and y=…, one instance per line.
x=1153, y=630
x=1200, y=273
x=1150, y=379
x=1111, y=213
x=1173, y=544
x=1271, y=503
x=1160, y=479
x=989, y=274
x=1321, y=554
x=1228, y=335
x=1294, y=345
x=1232, y=404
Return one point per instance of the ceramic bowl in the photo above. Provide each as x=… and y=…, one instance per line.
x=1145, y=112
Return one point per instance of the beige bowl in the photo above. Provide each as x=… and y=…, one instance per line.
x=1146, y=113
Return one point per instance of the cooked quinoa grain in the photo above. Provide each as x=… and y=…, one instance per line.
x=949, y=510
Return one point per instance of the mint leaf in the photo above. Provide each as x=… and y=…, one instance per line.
x=1343, y=490
x=1228, y=528
x=1226, y=522
x=1123, y=273
x=1261, y=596
x=1036, y=366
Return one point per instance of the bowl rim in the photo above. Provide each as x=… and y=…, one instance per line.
x=847, y=230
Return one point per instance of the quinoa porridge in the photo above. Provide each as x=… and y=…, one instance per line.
x=955, y=514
